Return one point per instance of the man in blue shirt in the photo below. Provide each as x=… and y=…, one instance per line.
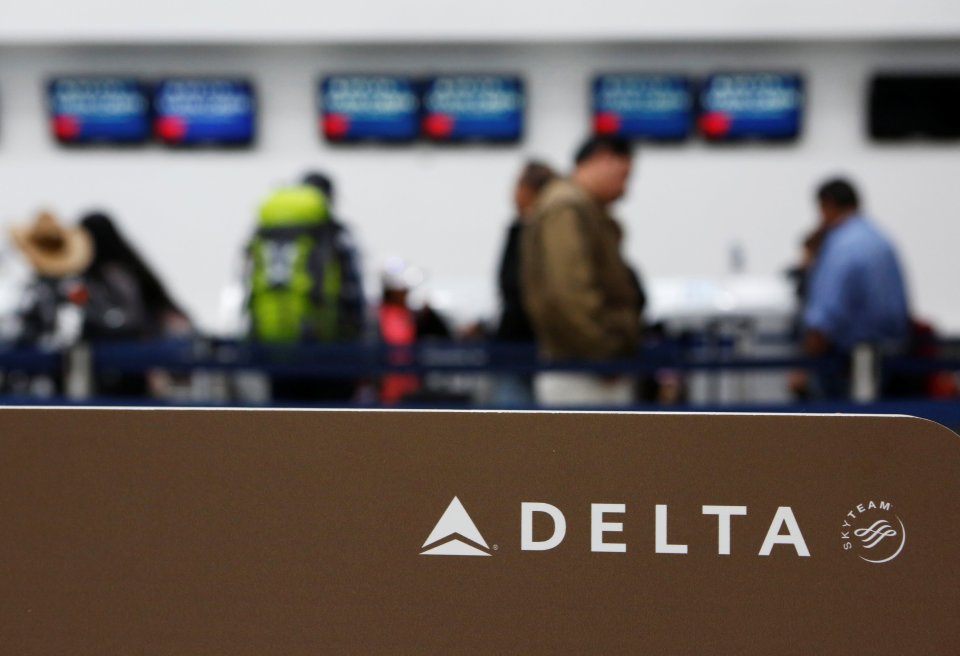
x=856, y=292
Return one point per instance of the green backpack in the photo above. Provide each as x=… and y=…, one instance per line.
x=296, y=277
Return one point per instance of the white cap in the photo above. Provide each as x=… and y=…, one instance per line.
x=397, y=275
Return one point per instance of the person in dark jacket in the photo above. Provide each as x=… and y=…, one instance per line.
x=352, y=305
x=514, y=326
x=126, y=301
x=352, y=299
x=514, y=323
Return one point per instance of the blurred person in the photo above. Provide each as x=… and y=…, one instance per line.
x=352, y=304
x=799, y=274
x=93, y=278
x=583, y=299
x=303, y=286
x=514, y=323
x=397, y=324
x=799, y=277
x=50, y=308
x=402, y=326
x=49, y=312
x=514, y=326
x=352, y=299
x=127, y=300
x=855, y=291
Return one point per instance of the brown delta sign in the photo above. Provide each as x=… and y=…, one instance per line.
x=327, y=532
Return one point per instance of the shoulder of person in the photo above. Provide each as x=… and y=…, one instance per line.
x=341, y=233
x=862, y=236
x=560, y=195
x=847, y=235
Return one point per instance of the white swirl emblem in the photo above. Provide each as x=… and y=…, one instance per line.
x=874, y=532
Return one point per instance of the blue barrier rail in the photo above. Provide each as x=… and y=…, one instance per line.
x=356, y=361
x=320, y=361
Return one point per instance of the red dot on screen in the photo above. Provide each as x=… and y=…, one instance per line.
x=66, y=127
x=171, y=128
x=606, y=123
x=715, y=124
x=438, y=125
x=335, y=126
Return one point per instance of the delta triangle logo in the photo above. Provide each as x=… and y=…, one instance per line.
x=455, y=535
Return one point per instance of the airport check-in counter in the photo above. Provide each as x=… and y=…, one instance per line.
x=171, y=532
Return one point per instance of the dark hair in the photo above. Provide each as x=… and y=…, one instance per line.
x=839, y=192
x=320, y=181
x=111, y=248
x=603, y=144
x=536, y=175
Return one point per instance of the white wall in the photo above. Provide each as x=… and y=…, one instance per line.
x=444, y=208
x=139, y=21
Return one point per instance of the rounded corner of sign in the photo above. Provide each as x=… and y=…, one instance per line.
x=930, y=424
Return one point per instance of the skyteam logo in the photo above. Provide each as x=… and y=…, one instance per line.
x=455, y=535
x=874, y=532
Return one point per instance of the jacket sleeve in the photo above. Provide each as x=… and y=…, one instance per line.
x=572, y=300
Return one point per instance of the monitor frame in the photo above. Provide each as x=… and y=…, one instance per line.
x=212, y=144
x=788, y=139
x=143, y=87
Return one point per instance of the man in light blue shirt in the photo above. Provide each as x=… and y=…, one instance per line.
x=856, y=292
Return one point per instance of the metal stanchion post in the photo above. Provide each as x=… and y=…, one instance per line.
x=78, y=378
x=865, y=382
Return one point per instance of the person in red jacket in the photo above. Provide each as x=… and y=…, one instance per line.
x=398, y=329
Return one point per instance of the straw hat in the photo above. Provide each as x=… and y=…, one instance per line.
x=52, y=249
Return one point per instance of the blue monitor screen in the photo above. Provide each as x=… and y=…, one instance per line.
x=213, y=112
x=762, y=106
x=643, y=106
x=473, y=108
x=369, y=107
x=88, y=110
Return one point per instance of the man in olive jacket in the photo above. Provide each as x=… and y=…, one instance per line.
x=582, y=297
